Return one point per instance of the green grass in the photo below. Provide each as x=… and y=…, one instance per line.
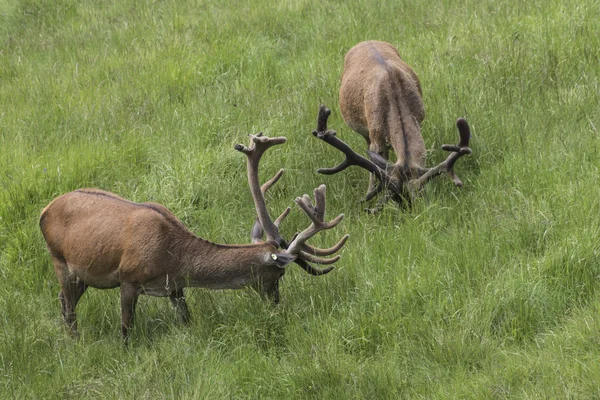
x=491, y=291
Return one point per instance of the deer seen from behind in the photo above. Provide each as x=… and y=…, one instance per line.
x=381, y=99
x=98, y=239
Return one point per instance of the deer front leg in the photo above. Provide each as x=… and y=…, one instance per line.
x=271, y=291
x=380, y=203
x=129, y=297
x=178, y=300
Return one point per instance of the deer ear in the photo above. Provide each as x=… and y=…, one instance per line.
x=282, y=259
x=257, y=232
x=378, y=160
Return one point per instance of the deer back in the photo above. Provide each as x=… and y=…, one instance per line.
x=381, y=99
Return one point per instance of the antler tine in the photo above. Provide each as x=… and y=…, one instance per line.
x=267, y=185
x=281, y=217
x=320, y=200
x=464, y=132
x=315, y=251
x=316, y=215
x=305, y=265
x=319, y=260
x=312, y=270
x=258, y=145
x=324, y=113
x=313, y=213
x=257, y=230
x=352, y=158
x=447, y=165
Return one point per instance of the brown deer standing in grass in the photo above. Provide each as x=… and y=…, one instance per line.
x=98, y=239
x=381, y=98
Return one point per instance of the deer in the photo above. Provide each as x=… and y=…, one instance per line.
x=97, y=239
x=381, y=99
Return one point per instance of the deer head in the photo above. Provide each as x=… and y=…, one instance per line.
x=301, y=252
x=394, y=186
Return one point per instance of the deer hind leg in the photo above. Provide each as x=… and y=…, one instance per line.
x=384, y=151
x=72, y=288
x=178, y=300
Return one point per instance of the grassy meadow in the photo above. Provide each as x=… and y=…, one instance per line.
x=489, y=291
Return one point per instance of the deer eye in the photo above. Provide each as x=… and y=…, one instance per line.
x=274, y=257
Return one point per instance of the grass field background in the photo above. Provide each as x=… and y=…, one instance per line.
x=490, y=291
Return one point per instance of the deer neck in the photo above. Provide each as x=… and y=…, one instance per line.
x=217, y=266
